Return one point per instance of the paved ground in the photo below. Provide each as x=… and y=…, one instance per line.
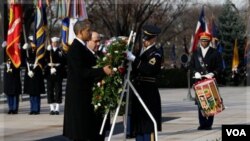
x=180, y=119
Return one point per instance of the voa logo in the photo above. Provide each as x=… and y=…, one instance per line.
x=236, y=132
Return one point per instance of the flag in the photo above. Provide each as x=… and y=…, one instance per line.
x=235, y=61
x=72, y=34
x=40, y=33
x=61, y=7
x=65, y=33
x=14, y=32
x=201, y=27
x=220, y=49
x=213, y=29
x=76, y=11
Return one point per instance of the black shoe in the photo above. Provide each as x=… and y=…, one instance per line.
x=31, y=113
x=10, y=112
x=52, y=113
x=36, y=113
x=15, y=112
x=208, y=128
x=56, y=112
x=201, y=128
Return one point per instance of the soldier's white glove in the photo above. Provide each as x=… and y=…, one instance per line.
x=4, y=44
x=25, y=46
x=30, y=74
x=52, y=71
x=197, y=75
x=209, y=75
x=49, y=47
x=130, y=56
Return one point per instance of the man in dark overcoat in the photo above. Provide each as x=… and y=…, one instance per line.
x=206, y=62
x=146, y=67
x=33, y=79
x=54, y=68
x=12, y=85
x=79, y=115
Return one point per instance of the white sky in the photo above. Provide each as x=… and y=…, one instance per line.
x=238, y=3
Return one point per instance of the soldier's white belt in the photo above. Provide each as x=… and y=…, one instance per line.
x=54, y=64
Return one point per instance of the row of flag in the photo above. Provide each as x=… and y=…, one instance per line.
x=74, y=11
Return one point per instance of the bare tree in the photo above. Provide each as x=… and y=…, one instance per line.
x=119, y=17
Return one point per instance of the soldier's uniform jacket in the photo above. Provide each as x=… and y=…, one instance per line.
x=35, y=85
x=57, y=60
x=211, y=63
x=12, y=81
x=146, y=67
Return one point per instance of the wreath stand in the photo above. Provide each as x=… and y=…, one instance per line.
x=127, y=84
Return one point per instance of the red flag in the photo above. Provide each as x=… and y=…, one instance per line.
x=14, y=33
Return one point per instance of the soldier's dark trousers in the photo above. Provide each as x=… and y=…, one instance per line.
x=13, y=102
x=35, y=103
x=145, y=137
x=204, y=121
x=54, y=90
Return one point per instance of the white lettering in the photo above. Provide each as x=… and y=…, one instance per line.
x=242, y=132
x=236, y=132
x=229, y=132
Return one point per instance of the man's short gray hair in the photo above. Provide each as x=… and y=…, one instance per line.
x=81, y=25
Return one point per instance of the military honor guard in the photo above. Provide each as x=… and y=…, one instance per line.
x=34, y=78
x=206, y=62
x=146, y=67
x=12, y=84
x=55, y=62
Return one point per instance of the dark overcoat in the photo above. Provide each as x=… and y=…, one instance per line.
x=12, y=81
x=33, y=86
x=80, y=120
x=146, y=67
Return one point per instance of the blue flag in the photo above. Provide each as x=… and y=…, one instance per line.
x=40, y=33
x=65, y=33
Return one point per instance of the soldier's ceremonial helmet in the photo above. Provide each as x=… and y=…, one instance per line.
x=205, y=36
x=150, y=31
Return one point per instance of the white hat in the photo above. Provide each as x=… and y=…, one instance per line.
x=55, y=39
x=30, y=38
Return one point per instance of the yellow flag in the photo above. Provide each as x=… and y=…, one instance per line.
x=235, y=61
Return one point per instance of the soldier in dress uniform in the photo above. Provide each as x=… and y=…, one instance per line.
x=146, y=67
x=55, y=61
x=206, y=62
x=34, y=78
x=12, y=84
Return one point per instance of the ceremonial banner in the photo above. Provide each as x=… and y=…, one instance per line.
x=65, y=33
x=201, y=27
x=40, y=32
x=235, y=60
x=14, y=33
x=208, y=97
x=76, y=11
